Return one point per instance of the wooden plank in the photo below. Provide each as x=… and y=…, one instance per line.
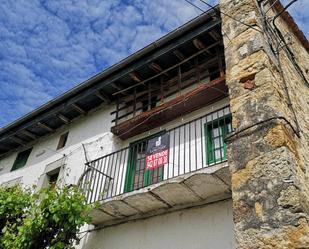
x=30, y=134
x=103, y=97
x=200, y=45
x=201, y=96
x=45, y=126
x=157, y=68
x=173, y=80
x=168, y=90
x=18, y=140
x=135, y=76
x=170, y=68
x=63, y=118
x=79, y=109
x=179, y=55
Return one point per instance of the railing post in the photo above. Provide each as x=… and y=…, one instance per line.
x=179, y=80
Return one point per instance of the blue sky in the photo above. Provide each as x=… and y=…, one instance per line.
x=47, y=47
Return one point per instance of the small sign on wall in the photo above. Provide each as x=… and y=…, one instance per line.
x=157, y=151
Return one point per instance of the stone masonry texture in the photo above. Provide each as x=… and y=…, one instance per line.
x=268, y=162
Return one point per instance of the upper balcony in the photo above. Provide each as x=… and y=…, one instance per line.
x=179, y=167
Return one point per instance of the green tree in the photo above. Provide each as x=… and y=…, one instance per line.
x=50, y=218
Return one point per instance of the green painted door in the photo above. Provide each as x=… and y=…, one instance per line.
x=137, y=176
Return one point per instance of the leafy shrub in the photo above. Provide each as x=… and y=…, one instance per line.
x=50, y=218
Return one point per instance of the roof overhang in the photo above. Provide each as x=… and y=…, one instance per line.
x=101, y=88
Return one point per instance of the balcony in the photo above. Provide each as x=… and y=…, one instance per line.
x=181, y=167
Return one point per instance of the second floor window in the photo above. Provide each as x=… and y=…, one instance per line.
x=63, y=140
x=21, y=159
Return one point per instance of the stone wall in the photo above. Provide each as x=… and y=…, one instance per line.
x=269, y=161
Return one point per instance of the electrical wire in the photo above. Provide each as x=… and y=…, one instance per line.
x=223, y=13
x=203, y=11
x=228, y=138
x=228, y=15
x=195, y=6
x=287, y=49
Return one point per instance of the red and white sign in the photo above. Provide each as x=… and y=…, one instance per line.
x=156, y=160
x=157, y=152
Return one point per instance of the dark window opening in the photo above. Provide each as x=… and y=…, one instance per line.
x=21, y=159
x=53, y=177
x=153, y=103
x=214, y=73
x=63, y=140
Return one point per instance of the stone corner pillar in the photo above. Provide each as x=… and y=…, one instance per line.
x=269, y=207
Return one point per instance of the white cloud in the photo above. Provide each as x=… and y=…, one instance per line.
x=47, y=47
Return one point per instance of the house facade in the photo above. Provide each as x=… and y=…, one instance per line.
x=199, y=140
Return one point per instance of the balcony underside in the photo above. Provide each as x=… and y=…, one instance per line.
x=196, y=188
x=185, y=103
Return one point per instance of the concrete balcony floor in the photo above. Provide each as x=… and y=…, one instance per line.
x=200, y=187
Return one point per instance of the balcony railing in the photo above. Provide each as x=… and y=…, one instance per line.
x=189, y=147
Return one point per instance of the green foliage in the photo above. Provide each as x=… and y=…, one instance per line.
x=13, y=202
x=50, y=218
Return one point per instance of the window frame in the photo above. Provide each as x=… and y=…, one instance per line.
x=209, y=141
x=63, y=140
x=131, y=165
x=21, y=159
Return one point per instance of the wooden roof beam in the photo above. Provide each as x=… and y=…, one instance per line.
x=29, y=134
x=186, y=60
x=103, y=97
x=45, y=126
x=157, y=68
x=63, y=118
x=179, y=55
x=136, y=77
x=120, y=88
x=200, y=45
x=79, y=109
x=18, y=140
x=117, y=86
x=214, y=34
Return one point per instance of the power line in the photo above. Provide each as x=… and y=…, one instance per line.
x=195, y=5
x=228, y=15
x=223, y=13
x=203, y=11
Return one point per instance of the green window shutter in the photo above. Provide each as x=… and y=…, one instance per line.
x=21, y=159
x=129, y=181
x=210, y=147
x=223, y=125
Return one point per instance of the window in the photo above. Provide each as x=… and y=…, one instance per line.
x=53, y=177
x=21, y=159
x=50, y=176
x=63, y=140
x=137, y=176
x=216, y=132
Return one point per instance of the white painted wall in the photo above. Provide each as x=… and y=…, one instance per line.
x=207, y=227
x=93, y=131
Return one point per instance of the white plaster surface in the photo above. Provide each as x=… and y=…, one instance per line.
x=206, y=227
x=93, y=131
x=209, y=227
